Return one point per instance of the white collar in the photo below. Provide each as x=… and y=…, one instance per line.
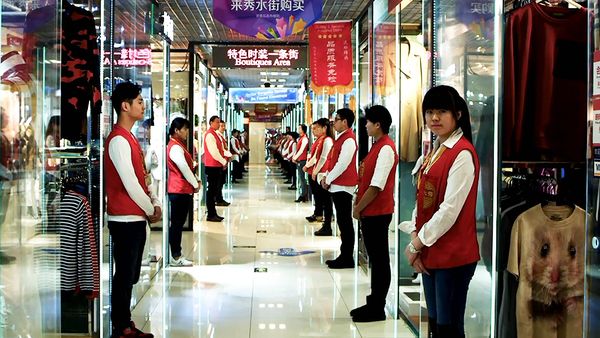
x=451, y=141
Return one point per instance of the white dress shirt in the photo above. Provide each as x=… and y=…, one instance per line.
x=327, y=146
x=458, y=186
x=301, y=147
x=177, y=155
x=213, y=150
x=119, y=152
x=344, y=161
x=383, y=167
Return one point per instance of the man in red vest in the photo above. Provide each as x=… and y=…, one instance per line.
x=341, y=180
x=220, y=201
x=299, y=159
x=130, y=204
x=214, y=163
x=374, y=206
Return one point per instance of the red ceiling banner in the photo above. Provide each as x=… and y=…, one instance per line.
x=331, y=53
x=392, y=4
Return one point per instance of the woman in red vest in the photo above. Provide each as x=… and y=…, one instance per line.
x=444, y=236
x=374, y=206
x=181, y=184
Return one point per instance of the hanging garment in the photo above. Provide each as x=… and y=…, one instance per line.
x=79, y=266
x=545, y=84
x=547, y=257
x=80, y=63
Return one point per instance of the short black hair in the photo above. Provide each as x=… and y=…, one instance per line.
x=446, y=97
x=178, y=123
x=214, y=117
x=346, y=114
x=304, y=128
x=124, y=92
x=379, y=114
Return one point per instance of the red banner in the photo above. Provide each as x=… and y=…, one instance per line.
x=392, y=4
x=330, y=54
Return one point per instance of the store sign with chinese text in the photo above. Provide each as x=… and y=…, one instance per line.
x=268, y=19
x=384, y=72
x=330, y=53
x=264, y=95
x=130, y=57
x=477, y=15
x=261, y=57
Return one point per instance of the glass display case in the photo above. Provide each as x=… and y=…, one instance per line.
x=49, y=169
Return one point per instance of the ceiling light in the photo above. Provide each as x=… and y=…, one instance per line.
x=281, y=80
x=279, y=86
x=264, y=80
x=275, y=73
x=263, y=73
x=284, y=73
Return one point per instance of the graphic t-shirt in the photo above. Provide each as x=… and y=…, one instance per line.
x=547, y=256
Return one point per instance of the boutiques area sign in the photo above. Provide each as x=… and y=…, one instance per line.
x=262, y=57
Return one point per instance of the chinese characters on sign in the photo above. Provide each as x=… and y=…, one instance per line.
x=267, y=5
x=268, y=19
x=248, y=57
x=330, y=42
x=130, y=57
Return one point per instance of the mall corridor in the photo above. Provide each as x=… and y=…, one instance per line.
x=223, y=296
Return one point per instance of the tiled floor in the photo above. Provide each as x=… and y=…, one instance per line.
x=222, y=296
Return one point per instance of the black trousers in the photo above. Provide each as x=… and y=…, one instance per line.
x=375, y=236
x=292, y=172
x=222, y=180
x=128, y=246
x=343, y=215
x=323, y=203
x=179, y=207
x=213, y=177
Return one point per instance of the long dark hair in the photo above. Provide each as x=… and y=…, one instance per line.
x=178, y=123
x=446, y=97
x=324, y=122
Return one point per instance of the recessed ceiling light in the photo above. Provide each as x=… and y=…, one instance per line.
x=281, y=80
x=273, y=80
x=263, y=73
x=279, y=86
x=284, y=73
x=275, y=73
x=264, y=80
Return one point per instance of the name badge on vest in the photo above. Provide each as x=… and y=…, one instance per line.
x=429, y=194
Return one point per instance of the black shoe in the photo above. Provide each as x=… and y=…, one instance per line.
x=222, y=204
x=287, y=182
x=369, y=316
x=324, y=231
x=293, y=187
x=313, y=218
x=341, y=263
x=214, y=218
x=365, y=308
x=221, y=217
x=300, y=200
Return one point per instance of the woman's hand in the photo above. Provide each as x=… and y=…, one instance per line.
x=411, y=257
x=419, y=266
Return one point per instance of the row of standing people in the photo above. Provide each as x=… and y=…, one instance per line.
x=131, y=203
x=443, y=244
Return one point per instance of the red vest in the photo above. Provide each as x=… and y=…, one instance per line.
x=303, y=156
x=209, y=161
x=459, y=245
x=383, y=204
x=118, y=201
x=176, y=183
x=350, y=176
x=316, y=147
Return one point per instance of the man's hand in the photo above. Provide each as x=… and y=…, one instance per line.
x=325, y=185
x=411, y=257
x=305, y=169
x=199, y=187
x=355, y=212
x=157, y=216
x=314, y=176
x=419, y=266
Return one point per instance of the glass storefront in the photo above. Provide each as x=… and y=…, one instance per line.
x=49, y=168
